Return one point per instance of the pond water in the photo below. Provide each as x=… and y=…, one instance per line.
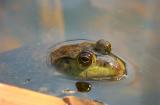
x=29, y=28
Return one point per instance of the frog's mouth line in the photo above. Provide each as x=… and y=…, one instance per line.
x=99, y=71
x=110, y=78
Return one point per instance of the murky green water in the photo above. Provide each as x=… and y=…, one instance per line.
x=29, y=28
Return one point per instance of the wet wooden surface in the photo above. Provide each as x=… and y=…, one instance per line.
x=11, y=95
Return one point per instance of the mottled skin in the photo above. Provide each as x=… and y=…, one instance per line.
x=88, y=60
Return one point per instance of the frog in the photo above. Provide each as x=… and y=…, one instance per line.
x=88, y=60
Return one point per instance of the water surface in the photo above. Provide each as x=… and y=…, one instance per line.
x=29, y=28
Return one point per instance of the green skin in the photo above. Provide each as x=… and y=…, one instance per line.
x=105, y=65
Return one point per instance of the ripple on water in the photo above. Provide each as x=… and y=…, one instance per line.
x=103, y=90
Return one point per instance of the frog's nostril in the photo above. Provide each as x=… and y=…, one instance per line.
x=105, y=64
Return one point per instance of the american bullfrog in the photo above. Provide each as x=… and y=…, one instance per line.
x=89, y=60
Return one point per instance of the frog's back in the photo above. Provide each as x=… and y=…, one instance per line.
x=70, y=51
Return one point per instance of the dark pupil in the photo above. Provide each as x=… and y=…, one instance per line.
x=85, y=58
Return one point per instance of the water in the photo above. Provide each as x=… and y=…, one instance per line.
x=27, y=67
x=29, y=28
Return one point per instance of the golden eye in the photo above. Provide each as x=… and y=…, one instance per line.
x=85, y=58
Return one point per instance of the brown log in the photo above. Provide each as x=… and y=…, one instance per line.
x=11, y=95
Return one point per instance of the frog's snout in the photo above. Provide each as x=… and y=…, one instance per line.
x=107, y=61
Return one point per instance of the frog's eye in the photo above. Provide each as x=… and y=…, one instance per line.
x=85, y=58
x=103, y=46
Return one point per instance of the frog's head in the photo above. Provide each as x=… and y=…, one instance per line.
x=95, y=63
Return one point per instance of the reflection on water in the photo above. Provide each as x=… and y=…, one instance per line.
x=8, y=43
x=30, y=21
x=52, y=15
x=33, y=26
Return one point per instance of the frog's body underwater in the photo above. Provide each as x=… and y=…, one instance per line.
x=88, y=60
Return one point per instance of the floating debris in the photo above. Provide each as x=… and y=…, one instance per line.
x=27, y=81
x=68, y=91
